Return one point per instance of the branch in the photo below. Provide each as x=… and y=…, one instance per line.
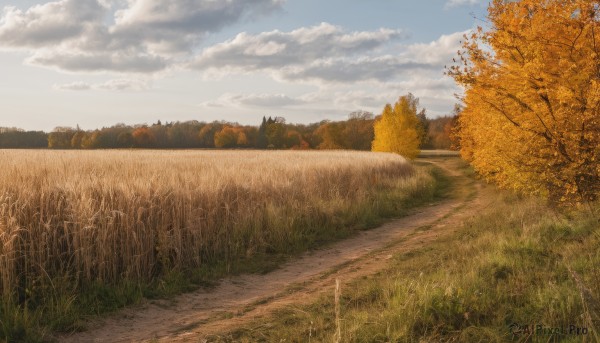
x=503, y=112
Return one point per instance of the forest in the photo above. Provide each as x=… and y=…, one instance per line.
x=355, y=133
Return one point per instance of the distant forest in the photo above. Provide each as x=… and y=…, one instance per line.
x=355, y=133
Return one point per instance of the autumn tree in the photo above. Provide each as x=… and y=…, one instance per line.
x=206, y=135
x=226, y=138
x=77, y=139
x=439, y=133
x=143, y=137
x=242, y=139
x=397, y=130
x=358, y=130
x=60, y=138
x=294, y=140
x=531, y=120
x=331, y=134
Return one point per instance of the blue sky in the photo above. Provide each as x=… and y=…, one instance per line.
x=95, y=63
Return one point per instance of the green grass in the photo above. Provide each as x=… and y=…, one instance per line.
x=518, y=261
x=60, y=306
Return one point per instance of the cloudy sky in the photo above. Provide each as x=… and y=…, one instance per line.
x=95, y=63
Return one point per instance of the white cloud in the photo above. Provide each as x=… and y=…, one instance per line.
x=457, y=3
x=355, y=79
x=150, y=36
x=275, y=49
x=48, y=24
x=343, y=70
x=434, y=91
x=173, y=26
x=123, y=84
x=326, y=54
x=362, y=100
x=79, y=61
x=73, y=86
x=263, y=100
x=435, y=94
x=111, y=85
x=438, y=52
x=144, y=36
x=353, y=70
x=267, y=49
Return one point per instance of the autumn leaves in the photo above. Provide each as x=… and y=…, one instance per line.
x=531, y=118
x=398, y=129
x=532, y=95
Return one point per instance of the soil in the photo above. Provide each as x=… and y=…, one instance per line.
x=237, y=301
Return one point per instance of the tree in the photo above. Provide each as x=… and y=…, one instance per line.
x=125, y=140
x=532, y=98
x=206, y=136
x=295, y=142
x=439, y=133
x=423, y=128
x=452, y=128
x=16, y=138
x=60, y=138
x=77, y=139
x=143, y=137
x=226, y=138
x=331, y=136
x=358, y=131
x=361, y=115
x=397, y=130
x=276, y=134
x=261, y=138
x=242, y=139
x=161, y=136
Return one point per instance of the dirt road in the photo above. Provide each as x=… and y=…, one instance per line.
x=202, y=315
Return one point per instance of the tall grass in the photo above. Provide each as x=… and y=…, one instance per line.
x=517, y=262
x=69, y=220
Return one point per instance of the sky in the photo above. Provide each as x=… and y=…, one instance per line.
x=96, y=63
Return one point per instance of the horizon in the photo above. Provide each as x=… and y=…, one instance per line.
x=159, y=121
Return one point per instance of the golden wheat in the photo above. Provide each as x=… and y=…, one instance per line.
x=111, y=215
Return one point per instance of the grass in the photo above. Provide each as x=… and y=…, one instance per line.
x=438, y=153
x=86, y=233
x=518, y=261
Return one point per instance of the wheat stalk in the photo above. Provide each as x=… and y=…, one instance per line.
x=106, y=216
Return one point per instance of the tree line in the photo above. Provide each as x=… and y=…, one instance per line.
x=355, y=133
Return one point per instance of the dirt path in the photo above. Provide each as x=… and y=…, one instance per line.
x=239, y=300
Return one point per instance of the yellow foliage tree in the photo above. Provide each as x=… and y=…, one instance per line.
x=397, y=130
x=531, y=120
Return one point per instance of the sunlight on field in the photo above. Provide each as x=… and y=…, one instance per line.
x=111, y=215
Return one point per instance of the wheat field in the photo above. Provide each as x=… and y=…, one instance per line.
x=106, y=216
